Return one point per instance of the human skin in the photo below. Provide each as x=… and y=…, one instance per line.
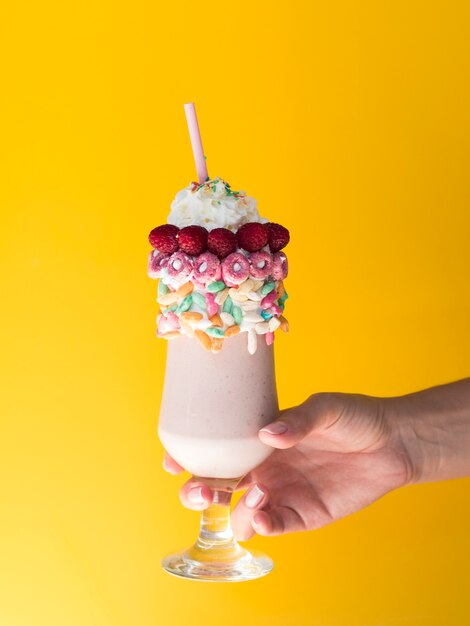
x=337, y=453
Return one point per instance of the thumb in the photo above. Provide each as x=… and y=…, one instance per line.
x=318, y=412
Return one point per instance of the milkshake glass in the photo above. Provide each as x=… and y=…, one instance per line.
x=221, y=268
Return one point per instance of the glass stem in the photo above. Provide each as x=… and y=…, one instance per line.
x=216, y=531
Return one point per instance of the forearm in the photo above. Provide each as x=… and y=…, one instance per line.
x=434, y=425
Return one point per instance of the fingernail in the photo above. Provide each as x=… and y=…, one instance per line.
x=276, y=428
x=195, y=496
x=254, y=497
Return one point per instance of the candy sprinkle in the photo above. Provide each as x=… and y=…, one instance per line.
x=237, y=314
x=199, y=300
x=267, y=288
x=203, y=339
x=216, y=286
x=162, y=288
x=212, y=331
x=184, y=305
x=228, y=305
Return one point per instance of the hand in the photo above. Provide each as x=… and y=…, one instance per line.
x=336, y=454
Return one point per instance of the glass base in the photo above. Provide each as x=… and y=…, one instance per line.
x=242, y=566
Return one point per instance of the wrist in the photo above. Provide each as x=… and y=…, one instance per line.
x=433, y=427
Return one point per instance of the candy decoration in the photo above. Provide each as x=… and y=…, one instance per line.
x=235, y=268
x=207, y=268
x=184, y=305
x=212, y=331
x=228, y=305
x=252, y=341
x=191, y=316
x=216, y=320
x=232, y=330
x=280, y=266
x=260, y=264
x=269, y=300
x=199, y=299
x=211, y=304
x=216, y=286
x=185, y=289
x=269, y=337
x=172, y=319
x=265, y=289
x=203, y=339
x=180, y=266
x=221, y=296
x=162, y=288
x=157, y=263
x=237, y=315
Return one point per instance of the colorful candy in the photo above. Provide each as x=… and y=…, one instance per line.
x=207, y=268
x=235, y=268
x=280, y=266
x=260, y=264
x=180, y=266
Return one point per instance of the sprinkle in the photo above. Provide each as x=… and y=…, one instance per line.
x=171, y=335
x=252, y=341
x=252, y=317
x=227, y=319
x=280, y=289
x=237, y=315
x=214, y=332
x=262, y=328
x=184, y=305
x=217, y=285
x=237, y=296
x=232, y=330
x=172, y=319
x=162, y=288
x=220, y=297
x=169, y=298
x=246, y=286
x=268, y=300
x=188, y=329
x=203, y=339
x=211, y=304
x=185, y=289
x=277, y=310
x=284, y=324
x=266, y=315
x=191, y=316
x=217, y=344
x=257, y=284
x=269, y=337
x=255, y=296
x=274, y=324
x=216, y=320
x=267, y=288
x=199, y=300
x=228, y=304
x=249, y=306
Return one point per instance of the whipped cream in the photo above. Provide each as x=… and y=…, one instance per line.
x=213, y=204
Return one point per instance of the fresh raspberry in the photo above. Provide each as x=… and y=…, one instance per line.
x=252, y=236
x=193, y=239
x=222, y=242
x=163, y=238
x=278, y=236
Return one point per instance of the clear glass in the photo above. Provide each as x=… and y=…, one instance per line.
x=212, y=408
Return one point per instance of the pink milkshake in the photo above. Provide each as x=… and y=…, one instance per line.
x=221, y=269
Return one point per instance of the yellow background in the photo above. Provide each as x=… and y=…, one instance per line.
x=349, y=122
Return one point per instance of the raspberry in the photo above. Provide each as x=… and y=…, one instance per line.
x=252, y=236
x=221, y=242
x=163, y=238
x=193, y=239
x=278, y=236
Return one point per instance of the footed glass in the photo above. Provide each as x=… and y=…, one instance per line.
x=213, y=406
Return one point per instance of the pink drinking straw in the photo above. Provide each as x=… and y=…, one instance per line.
x=196, y=142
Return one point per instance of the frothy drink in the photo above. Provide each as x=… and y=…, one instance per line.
x=214, y=404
